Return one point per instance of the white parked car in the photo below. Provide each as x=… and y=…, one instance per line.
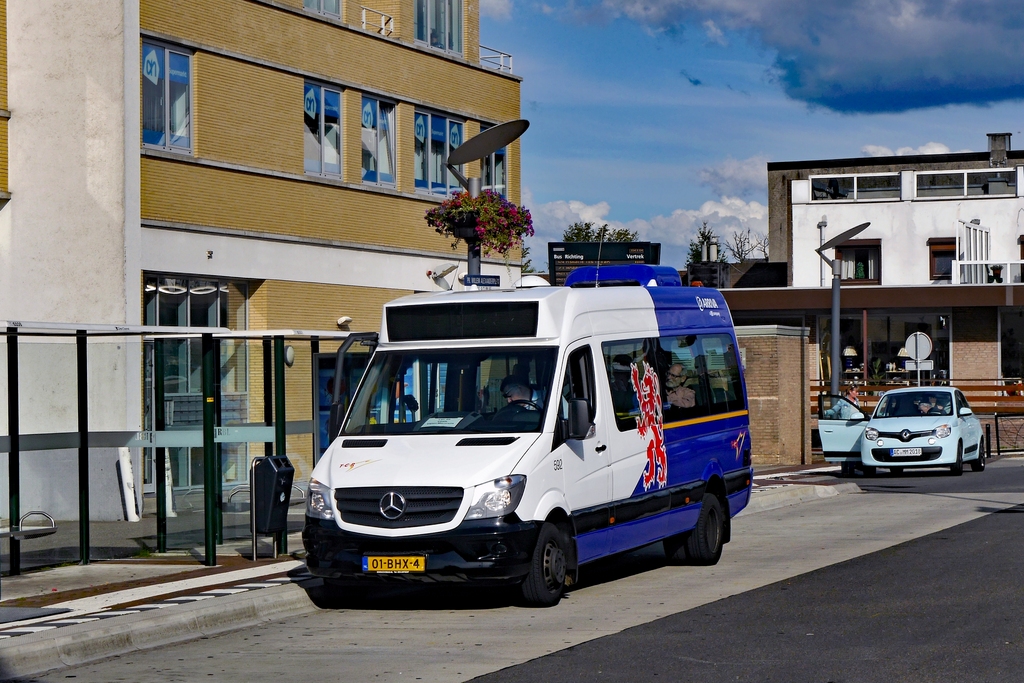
x=911, y=427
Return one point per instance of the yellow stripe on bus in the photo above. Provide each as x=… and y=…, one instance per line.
x=709, y=418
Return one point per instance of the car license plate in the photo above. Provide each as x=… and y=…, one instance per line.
x=394, y=564
x=897, y=452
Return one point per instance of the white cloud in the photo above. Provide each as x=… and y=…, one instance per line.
x=868, y=56
x=496, y=9
x=674, y=231
x=714, y=34
x=926, y=148
x=737, y=178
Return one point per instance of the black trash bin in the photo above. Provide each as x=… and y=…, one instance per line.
x=272, y=491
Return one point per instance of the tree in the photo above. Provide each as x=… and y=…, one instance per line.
x=743, y=245
x=589, y=232
x=705, y=235
x=527, y=263
x=761, y=244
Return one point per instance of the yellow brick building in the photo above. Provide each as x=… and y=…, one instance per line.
x=252, y=164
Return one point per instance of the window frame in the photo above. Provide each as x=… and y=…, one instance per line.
x=392, y=147
x=451, y=185
x=453, y=40
x=319, y=9
x=938, y=245
x=167, y=50
x=855, y=193
x=322, y=91
x=851, y=245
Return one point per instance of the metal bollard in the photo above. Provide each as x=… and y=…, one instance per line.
x=988, y=440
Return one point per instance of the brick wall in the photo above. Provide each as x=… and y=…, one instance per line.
x=777, y=393
x=975, y=344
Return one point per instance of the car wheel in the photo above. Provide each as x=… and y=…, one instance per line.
x=896, y=471
x=957, y=468
x=978, y=465
x=544, y=584
x=704, y=546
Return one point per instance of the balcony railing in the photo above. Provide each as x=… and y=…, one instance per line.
x=495, y=59
x=987, y=272
x=384, y=24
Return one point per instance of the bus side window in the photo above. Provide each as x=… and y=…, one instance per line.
x=578, y=382
x=718, y=356
x=619, y=357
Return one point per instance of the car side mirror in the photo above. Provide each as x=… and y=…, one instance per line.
x=964, y=412
x=857, y=415
x=579, y=419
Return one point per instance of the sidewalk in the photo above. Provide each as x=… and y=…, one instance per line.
x=76, y=614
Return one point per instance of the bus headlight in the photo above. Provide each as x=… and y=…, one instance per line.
x=871, y=434
x=942, y=431
x=497, y=498
x=318, y=501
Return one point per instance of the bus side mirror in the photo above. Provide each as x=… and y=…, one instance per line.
x=579, y=419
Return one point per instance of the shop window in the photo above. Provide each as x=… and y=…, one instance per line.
x=439, y=24
x=862, y=261
x=166, y=98
x=378, y=136
x=322, y=130
x=329, y=7
x=435, y=138
x=941, y=254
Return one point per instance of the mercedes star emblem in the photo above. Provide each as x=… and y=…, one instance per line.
x=392, y=505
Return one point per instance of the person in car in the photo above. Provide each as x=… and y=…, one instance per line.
x=519, y=396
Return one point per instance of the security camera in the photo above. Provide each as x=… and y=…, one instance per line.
x=344, y=320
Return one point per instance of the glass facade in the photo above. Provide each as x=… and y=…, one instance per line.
x=196, y=302
x=322, y=130
x=886, y=335
x=378, y=141
x=439, y=24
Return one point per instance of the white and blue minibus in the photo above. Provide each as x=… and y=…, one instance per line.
x=513, y=436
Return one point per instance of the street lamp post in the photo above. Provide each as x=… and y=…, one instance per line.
x=479, y=147
x=837, y=272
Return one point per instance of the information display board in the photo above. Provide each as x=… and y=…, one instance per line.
x=564, y=257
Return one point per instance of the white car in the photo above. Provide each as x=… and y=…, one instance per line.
x=911, y=427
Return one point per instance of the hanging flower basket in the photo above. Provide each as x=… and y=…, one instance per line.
x=490, y=220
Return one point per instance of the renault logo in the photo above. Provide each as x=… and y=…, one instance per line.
x=905, y=435
x=392, y=505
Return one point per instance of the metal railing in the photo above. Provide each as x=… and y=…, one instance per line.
x=495, y=59
x=987, y=272
x=384, y=24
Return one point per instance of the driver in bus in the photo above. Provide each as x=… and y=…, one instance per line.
x=519, y=396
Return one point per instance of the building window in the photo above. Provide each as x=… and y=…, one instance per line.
x=992, y=183
x=166, y=98
x=855, y=188
x=940, y=184
x=378, y=142
x=436, y=137
x=941, y=254
x=494, y=171
x=862, y=261
x=329, y=7
x=322, y=133
x=439, y=24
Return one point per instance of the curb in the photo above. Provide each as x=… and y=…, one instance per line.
x=794, y=494
x=36, y=653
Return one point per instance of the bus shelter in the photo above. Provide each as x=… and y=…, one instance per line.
x=145, y=433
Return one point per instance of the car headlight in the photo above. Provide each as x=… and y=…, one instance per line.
x=871, y=434
x=497, y=498
x=942, y=431
x=318, y=501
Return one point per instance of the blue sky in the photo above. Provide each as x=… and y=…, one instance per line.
x=658, y=114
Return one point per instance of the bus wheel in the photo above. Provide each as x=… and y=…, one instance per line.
x=544, y=584
x=675, y=548
x=704, y=546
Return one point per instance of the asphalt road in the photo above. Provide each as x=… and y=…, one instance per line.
x=947, y=607
x=917, y=579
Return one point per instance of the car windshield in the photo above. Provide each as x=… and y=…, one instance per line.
x=915, y=404
x=453, y=390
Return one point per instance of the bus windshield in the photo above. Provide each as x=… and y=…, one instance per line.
x=473, y=390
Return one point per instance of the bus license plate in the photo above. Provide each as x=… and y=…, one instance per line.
x=897, y=452
x=394, y=564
